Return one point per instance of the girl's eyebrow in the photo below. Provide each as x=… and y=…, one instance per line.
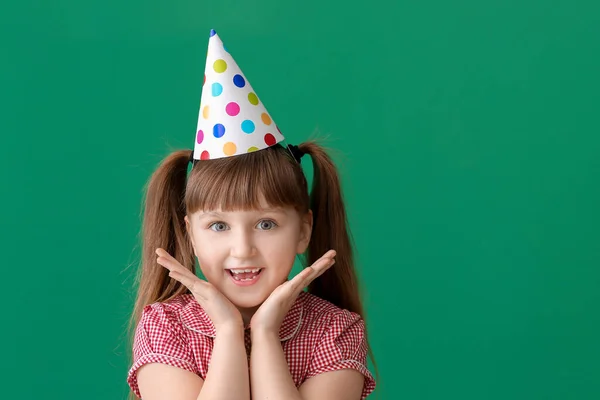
x=216, y=214
x=210, y=214
x=275, y=210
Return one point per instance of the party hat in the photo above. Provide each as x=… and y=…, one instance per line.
x=232, y=120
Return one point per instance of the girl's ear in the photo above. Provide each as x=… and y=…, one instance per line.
x=190, y=232
x=306, y=224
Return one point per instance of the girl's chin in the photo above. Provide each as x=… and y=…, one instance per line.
x=249, y=302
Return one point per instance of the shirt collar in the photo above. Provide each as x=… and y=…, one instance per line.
x=194, y=317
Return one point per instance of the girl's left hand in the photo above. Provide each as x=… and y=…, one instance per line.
x=270, y=314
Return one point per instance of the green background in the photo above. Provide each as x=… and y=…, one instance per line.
x=467, y=133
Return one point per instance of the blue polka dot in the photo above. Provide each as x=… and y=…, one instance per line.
x=239, y=81
x=217, y=89
x=248, y=126
x=218, y=130
x=212, y=32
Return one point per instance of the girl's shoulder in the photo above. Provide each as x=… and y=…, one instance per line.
x=168, y=311
x=317, y=311
x=173, y=305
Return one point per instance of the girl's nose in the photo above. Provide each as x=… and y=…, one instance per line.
x=242, y=245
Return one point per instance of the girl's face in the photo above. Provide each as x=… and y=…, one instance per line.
x=264, y=242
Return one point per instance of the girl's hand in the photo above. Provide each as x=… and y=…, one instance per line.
x=219, y=309
x=270, y=314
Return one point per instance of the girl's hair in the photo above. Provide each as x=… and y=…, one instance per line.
x=237, y=183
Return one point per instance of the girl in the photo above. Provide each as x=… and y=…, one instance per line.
x=244, y=213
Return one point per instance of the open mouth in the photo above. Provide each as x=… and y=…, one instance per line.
x=245, y=275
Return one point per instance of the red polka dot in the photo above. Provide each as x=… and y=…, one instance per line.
x=205, y=155
x=270, y=139
x=204, y=80
x=232, y=109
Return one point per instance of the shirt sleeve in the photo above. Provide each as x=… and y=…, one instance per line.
x=159, y=338
x=343, y=346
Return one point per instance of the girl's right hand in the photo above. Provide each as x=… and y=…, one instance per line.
x=219, y=309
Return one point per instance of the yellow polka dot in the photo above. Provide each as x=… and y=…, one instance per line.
x=265, y=118
x=220, y=66
x=253, y=148
x=229, y=148
x=205, y=112
x=253, y=99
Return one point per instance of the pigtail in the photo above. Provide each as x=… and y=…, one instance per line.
x=163, y=226
x=338, y=285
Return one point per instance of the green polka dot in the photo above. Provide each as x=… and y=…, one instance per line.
x=253, y=148
x=220, y=66
x=253, y=99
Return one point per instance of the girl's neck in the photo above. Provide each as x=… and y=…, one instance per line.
x=247, y=314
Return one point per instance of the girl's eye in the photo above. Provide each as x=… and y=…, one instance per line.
x=266, y=225
x=218, y=226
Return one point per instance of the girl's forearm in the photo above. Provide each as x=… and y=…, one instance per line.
x=269, y=372
x=227, y=377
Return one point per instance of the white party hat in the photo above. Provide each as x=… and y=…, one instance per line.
x=232, y=119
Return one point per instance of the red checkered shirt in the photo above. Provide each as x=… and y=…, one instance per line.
x=316, y=337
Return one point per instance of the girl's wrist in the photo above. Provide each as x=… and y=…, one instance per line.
x=230, y=329
x=263, y=332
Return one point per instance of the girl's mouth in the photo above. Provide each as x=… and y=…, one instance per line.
x=246, y=276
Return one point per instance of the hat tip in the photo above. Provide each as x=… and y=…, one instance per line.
x=212, y=32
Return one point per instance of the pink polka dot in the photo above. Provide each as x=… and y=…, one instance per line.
x=205, y=155
x=270, y=139
x=232, y=109
x=200, y=136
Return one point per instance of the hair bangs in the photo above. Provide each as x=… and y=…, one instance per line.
x=246, y=182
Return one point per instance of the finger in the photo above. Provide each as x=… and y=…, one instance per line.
x=320, y=263
x=176, y=267
x=329, y=254
x=169, y=262
x=185, y=280
x=195, y=284
x=318, y=270
x=309, y=274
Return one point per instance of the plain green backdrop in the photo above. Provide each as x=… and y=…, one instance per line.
x=467, y=134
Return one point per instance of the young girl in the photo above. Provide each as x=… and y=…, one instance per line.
x=244, y=213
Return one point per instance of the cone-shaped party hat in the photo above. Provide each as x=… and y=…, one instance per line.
x=232, y=119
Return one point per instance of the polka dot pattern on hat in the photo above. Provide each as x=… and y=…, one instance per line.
x=232, y=118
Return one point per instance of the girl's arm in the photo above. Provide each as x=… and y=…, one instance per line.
x=226, y=379
x=270, y=377
x=227, y=376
